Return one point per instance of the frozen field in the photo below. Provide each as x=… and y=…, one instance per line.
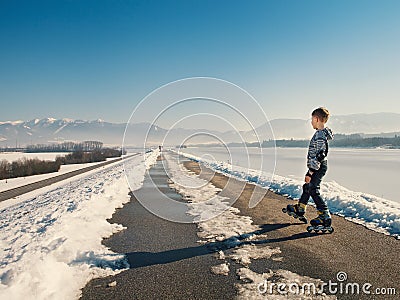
x=12, y=156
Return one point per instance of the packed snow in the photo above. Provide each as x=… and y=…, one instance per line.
x=222, y=227
x=222, y=269
x=371, y=211
x=51, y=244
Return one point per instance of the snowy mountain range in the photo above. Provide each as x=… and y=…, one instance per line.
x=50, y=130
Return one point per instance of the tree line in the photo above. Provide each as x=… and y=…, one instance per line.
x=340, y=140
x=350, y=141
x=65, y=147
x=81, y=157
x=27, y=167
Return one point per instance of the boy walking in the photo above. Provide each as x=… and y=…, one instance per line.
x=317, y=167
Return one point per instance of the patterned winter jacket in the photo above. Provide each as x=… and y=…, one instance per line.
x=318, y=148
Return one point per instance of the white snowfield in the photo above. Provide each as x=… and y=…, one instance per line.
x=371, y=211
x=20, y=181
x=221, y=226
x=13, y=156
x=51, y=244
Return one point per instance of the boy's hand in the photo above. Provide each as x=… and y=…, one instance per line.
x=307, y=179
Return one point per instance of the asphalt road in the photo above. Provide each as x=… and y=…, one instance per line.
x=166, y=260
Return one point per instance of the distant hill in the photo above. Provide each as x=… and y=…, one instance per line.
x=50, y=130
x=367, y=124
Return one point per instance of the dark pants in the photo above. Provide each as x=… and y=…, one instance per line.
x=312, y=188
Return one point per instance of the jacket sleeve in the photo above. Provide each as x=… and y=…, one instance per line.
x=317, y=144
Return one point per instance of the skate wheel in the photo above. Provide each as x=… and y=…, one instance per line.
x=295, y=216
x=316, y=230
x=330, y=230
x=284, y=210
x=323, y=230
x=309, y=229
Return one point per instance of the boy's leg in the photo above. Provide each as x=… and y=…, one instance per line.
x=314, y=186
x=302, y=204
x=305, y=196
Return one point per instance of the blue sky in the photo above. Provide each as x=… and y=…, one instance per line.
x=98, y=59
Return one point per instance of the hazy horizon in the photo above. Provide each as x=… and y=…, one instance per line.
x=195, y=129
x=305, y=118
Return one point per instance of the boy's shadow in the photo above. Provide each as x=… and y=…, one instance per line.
x=144, y=259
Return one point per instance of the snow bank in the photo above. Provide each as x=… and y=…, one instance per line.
x=51, y=244
x=371, y=211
